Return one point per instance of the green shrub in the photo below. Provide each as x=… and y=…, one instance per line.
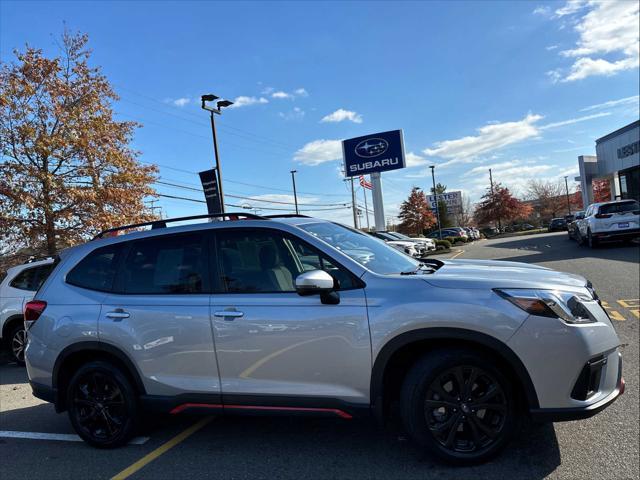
x=443, y=243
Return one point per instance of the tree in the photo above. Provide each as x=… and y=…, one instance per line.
x=500, y=205
x=67, y=169
x=415, y=214
x=465, y=217
x=549, y=198
x=601, y=190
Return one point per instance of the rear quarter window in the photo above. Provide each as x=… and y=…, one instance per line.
x=31, y=279
x=97, y=270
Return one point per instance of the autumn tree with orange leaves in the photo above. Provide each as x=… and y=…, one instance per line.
x=498, y=205
x=67, y=169
x=415, y=214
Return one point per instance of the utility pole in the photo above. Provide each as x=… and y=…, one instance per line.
x=295, y=193
x=435, y=196
x=218, y=110
x=566, y=186
x=353, y=205
x=493, y=198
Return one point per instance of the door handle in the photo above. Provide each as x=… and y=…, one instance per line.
x=117, y=315
x=228, y=314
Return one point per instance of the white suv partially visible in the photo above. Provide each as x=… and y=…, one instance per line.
x=18, y=287
x=609, y=221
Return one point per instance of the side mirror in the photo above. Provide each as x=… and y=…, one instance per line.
x=318, y=281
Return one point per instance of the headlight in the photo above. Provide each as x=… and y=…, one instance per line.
x=568, y=306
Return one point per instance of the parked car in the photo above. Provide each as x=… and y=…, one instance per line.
x=572, y=227
x=450, y=232
x=557, y=224
x=424, y=245
x=404, y=246
x=17, y=288
x=609, y=221
x=178, y=320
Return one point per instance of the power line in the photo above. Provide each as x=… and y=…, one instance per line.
x=176, y=197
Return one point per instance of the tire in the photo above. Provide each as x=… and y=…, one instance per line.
x=592, y=242
x=457, y=431
x=17, y=341
x=579, y=238
x=102, y=404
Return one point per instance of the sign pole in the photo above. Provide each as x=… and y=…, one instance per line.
x=366, y=208
x=378, y=204
x=353, y=205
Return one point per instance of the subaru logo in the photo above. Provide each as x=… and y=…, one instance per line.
x=371, y=147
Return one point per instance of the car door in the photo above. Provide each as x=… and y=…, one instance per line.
x=159, y=314
x=273, y=344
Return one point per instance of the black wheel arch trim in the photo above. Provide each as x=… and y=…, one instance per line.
x=96, y=346
x=9, y=322
x=444, y=333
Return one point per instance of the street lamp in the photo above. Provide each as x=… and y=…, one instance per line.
x=295, y=194
x=217, y=110
x=435, y=195
x=566, y=186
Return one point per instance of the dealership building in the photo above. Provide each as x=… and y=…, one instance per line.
x=617, y=160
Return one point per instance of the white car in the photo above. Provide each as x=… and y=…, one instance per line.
x=17, y=288
x=609, y=221
x=422, y=244
x=405, y=246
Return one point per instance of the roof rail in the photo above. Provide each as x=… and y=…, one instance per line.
x=39, y=259
x=287, y=215
x=163, y=223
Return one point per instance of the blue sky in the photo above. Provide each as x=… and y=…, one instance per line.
x=524, y=87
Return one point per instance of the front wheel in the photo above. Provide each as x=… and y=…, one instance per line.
x=459, y=406
x=102, y=405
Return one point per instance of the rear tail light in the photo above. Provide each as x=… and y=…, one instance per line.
x=603, y=215
x=33, y=310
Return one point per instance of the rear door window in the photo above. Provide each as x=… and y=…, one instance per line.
x=97, y=270
x=168, y=264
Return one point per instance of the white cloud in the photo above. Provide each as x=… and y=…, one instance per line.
x=181, y=102
x=341, y=115
x=571, y=121
x=552, y=47
x=514, y=174
x=244, y=101
x=494, y=166
x=543, y=10
x=300, y=92
x=318, y=152
x=554, y=75
x=608, y=28
x=489, y=138
x=281, y=94
x=295, y=114
x=635, y=100
x=414, y=160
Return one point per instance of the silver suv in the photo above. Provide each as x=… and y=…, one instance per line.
x=303, y=316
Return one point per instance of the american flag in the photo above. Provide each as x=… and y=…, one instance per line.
x=364, y=183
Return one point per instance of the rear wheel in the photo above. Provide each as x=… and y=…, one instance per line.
x=102, y=405
x=593, y=242
x=17, y=343
x=458, y=405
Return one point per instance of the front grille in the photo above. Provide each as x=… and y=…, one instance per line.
x=588, y=382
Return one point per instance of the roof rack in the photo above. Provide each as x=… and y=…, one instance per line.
x=287, y=215
x=163, y=223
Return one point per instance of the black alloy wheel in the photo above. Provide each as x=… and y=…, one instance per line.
x=102, y=405
x=457, y=404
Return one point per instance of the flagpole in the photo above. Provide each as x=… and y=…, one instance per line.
x=366, y=209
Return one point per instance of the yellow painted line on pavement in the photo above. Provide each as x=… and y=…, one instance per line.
x=150, y=457
x=613, y=314
x=456, y=255
x=632, y=304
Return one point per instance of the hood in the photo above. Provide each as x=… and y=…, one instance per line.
x=489, y=274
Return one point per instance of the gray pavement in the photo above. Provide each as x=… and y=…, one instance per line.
x=605, y=446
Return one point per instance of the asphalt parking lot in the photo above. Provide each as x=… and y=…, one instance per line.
x=605, y=446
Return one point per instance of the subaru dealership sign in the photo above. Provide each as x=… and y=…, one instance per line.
x=373, y=153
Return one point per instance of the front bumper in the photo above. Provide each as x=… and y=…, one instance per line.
x=580, y=413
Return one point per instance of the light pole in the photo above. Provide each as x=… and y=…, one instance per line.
x=435, y=195
x=493, y=199
x=566, y=186
x=295, y=193
x=217, y=110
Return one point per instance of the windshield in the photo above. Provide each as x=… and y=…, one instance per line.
x=400, y=236
x=368, y=251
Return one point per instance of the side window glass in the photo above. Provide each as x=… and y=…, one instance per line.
x=165, y=265
x=97, y=270
x=254, y=261
x=25, y=280
x=310, y=258
x=42, y=275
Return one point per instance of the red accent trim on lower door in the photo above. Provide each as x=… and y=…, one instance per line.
x=185, y=406
x=335, y=411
